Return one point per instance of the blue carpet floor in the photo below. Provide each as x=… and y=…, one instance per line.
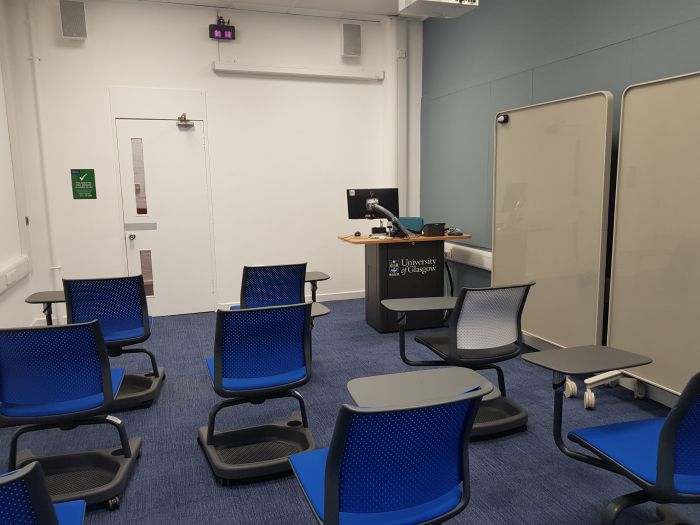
x=521, y=478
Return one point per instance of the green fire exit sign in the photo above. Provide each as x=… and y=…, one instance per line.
x=83, y=183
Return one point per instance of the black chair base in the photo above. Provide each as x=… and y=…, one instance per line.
x=138, y=390
x=498, y=417
x=96, y=476
x=256, y=452
x=668, y=516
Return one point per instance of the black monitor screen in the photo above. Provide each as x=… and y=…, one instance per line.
x=357, y=202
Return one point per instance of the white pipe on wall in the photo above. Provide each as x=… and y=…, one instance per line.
x=389, y=154
x=414, y=80
x=401, y=60
x=299, y=72
x=30, y=10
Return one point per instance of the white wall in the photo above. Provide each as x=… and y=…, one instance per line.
x=281, y=151
x=13, y=310
x=10, y=247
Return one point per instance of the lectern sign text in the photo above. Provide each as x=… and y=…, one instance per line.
x=398, y=267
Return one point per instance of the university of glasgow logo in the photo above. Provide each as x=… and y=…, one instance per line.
x=394, y=268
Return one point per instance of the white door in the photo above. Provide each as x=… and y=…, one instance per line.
x=166, y=213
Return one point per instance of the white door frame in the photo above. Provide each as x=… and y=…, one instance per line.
x=139, y=103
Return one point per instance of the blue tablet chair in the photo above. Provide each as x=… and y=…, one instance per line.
x=272, y=285
x=276, y=285
x=25, y=500
x=661, y=455
x=59, y=377
x=398, y=466
x=259, y=354
x=120, y=305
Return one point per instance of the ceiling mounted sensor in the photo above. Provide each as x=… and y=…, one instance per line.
x=436, y=8
x=222, y=30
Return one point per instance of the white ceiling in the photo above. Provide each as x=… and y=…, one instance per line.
x=339, y=7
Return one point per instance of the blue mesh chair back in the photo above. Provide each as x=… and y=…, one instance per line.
x=273, y=285
x=24, y=498
x=687, y=457
x=661, y=455
x=397, y=459
x=53, y=364
x=679, y=446
x=488, y=317
x=119, y=303
x=261, y=342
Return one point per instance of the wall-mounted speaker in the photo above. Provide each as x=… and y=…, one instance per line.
x=352, y=40
x=73, y=19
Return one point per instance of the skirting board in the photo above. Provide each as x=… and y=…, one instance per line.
x=652, y=392
x=338, y=296
x=41, y=321
x=537, y=343
x=321, y=297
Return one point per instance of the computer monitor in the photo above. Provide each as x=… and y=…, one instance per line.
x=357, y=202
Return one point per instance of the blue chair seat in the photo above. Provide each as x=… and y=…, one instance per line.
x=254, y=383
x=70, y=512
x=63, y=407
x=126, y=335
x=310, y=469
x=635, y=446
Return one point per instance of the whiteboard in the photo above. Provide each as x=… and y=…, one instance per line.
x=655, y=282
x=551, y=175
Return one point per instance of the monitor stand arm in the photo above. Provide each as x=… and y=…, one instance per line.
x=373, y=206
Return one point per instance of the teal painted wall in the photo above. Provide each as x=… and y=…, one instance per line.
x=512, y=53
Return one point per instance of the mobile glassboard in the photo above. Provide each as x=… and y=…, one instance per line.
x=551, y=174
x=655, y=282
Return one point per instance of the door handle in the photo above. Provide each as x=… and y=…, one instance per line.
x=132, y=236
